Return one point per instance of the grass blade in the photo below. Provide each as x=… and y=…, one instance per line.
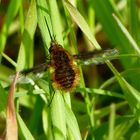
x=80, y=21
x=11, y=13
x=25, y=56
x=11, y=122
x=131, y=94
x=24, y=133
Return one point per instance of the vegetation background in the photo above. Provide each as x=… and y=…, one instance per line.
x=106, y=104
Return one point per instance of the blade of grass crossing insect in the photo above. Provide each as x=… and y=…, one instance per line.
x=73, y=40
x=58, y=32
x=80, y=21
x=11, y=13
x=84, y=94
x=56, y=104
x=25, y=56
x=58, y=122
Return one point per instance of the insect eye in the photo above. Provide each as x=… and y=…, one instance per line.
x=51, y=48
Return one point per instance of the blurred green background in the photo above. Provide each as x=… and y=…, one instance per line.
x=106, y=103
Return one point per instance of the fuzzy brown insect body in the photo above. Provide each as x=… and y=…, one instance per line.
x=66, y=74
x=65, y=71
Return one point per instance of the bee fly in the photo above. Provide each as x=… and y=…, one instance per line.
x=65, y=75
x=65, y=71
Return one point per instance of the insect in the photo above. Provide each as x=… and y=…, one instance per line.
x=65, y=75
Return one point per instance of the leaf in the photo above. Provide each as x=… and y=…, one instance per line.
x=80, y=21
x=25, y=56
x=72, y=123
x=131, y=94
x=24, y=133
x=11, y=13
x=11, y=122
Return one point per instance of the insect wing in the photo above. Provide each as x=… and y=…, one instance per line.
x=37, y=69
x=97, y=57
x=24, y=79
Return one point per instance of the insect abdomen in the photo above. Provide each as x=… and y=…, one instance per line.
x=66, y=73
x=65, y=77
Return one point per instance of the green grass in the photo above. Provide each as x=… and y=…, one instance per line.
x=105, y=109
